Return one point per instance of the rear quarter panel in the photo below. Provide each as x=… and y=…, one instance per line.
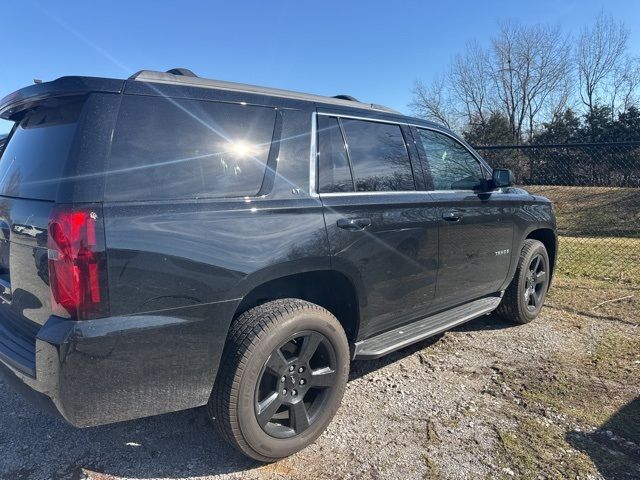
x=170, y=255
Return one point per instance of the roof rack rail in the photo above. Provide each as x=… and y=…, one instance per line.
x=346, y=97
x=185, y=72
x=183, y=76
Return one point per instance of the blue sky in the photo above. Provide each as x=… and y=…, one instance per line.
x=373, y=50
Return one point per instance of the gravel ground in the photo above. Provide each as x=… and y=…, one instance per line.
x=558, y=398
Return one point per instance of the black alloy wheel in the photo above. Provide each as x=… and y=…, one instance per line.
x=536, y=282
x=294, y=384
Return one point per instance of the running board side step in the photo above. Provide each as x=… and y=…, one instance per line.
x=387, y=342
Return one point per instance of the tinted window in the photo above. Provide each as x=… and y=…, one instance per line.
x=334, y=172
x=3, y=140
x=378, y=156
x=451, y=165
x=167, y=148
x=34, y=159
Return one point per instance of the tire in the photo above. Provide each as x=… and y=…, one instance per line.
x=270, y=357
x=521, y=304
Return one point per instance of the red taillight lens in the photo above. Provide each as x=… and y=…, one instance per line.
x=77, y=274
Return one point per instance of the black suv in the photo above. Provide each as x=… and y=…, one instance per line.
x=169, y=242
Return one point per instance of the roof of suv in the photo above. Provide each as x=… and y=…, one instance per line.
x=190, y=79
x=75, y=85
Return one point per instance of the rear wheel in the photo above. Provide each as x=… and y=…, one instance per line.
x=525, y=295
x=281, y=380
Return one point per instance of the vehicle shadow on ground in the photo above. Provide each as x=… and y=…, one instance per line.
x=614, y=447
x=183, y=444
x=596, y=316
x=34, y=445
x=484, y=323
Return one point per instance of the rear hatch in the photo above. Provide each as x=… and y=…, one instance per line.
x=32, y=164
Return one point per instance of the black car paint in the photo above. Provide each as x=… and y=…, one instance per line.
x=178, y=270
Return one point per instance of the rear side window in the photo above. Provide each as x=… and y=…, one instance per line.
x=3, y=140
x=166, y=148
x=378, y=156
x=34, y=158
x=451, y=165
x=334, y=172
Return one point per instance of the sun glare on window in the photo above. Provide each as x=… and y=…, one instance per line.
x=242, y=149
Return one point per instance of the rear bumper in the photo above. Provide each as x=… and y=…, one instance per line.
x=119, y=368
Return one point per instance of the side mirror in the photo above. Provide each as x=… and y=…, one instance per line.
x=502, y=177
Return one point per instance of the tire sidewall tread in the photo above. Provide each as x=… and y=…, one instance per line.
x=512, y=307
x=253, y=334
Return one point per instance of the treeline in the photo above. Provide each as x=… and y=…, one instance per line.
x=593, y=149
x=597, y=125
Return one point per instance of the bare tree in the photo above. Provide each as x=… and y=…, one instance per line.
x=560, y=100
x=431, y=102
x=462, y=94
x=547, y=53
x=525, y=69
x=505, y=77
x=531, y=65
x=625, y=85
x=470, y=80
x=599, y=56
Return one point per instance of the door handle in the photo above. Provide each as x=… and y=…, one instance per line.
x=353, y=223
x=452, y=216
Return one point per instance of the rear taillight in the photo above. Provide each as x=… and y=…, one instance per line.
x=77, y=263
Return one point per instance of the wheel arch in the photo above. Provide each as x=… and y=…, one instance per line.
x=328, y=288
x=549, y=239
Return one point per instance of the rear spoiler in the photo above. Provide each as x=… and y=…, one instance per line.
x=62, y=87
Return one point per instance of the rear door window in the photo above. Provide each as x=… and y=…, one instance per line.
x=166, y=148
x=35, y=156
x=378, y=156
x=334, y=172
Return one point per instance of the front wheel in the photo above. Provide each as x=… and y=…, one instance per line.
x=281, y=379
x=525, y=295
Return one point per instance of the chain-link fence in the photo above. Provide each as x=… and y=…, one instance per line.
x=596, y=190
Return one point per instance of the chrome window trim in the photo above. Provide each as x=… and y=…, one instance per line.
x=313, y=160
x=396, y=192
x=389, y=192
x=435, y=128
x=313, y=165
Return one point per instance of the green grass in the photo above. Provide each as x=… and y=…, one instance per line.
x=603, y=258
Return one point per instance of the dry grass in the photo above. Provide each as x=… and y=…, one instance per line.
x=594, y=211
x=535, y=450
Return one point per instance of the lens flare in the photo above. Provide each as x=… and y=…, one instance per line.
x=242, y=149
